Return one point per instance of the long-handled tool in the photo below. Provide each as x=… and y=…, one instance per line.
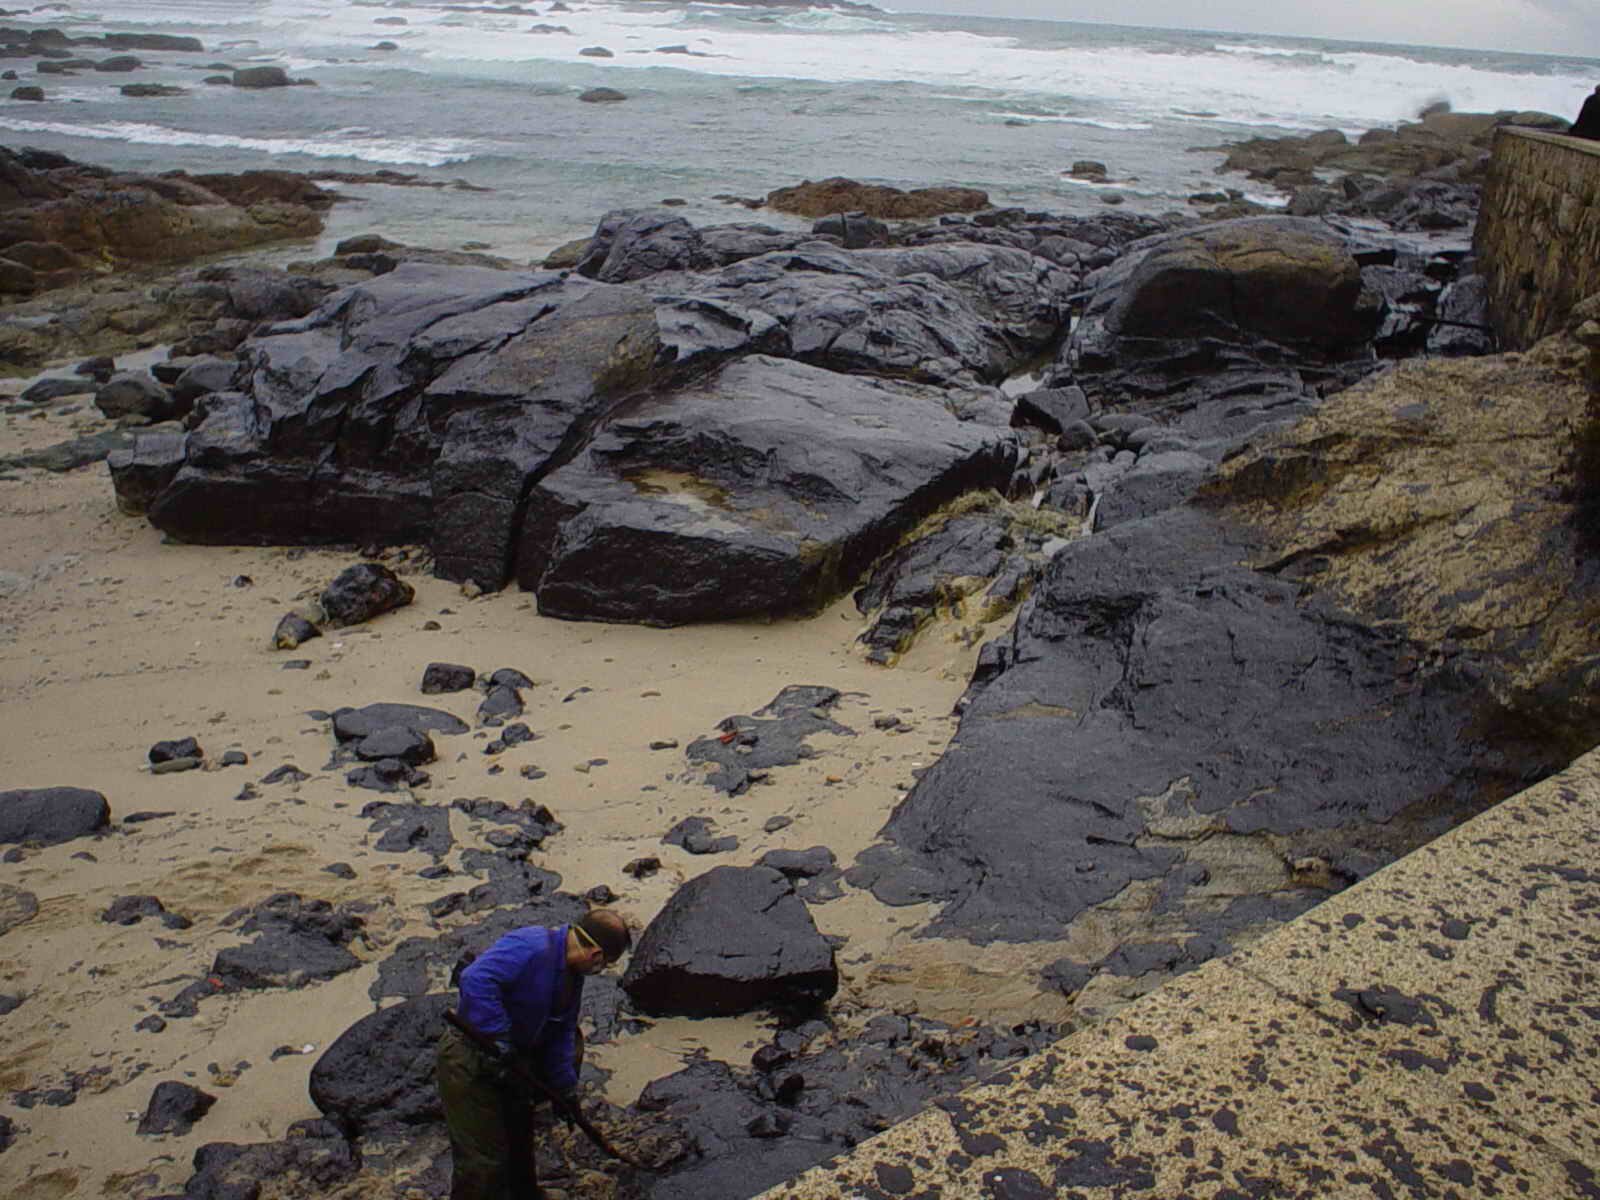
x=538, y=1087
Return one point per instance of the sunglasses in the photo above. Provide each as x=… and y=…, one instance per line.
x=588, y=940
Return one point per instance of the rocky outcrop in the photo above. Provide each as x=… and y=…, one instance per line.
x=30, y=43
x=261, y=77
x=354, y=724
x=552, y=429
x=205, y=312
x=952, y=314
x=1445, y=499
x=1368, y=627
x=1437, y=141
x=313, y=1157
x=65, y=221
x=733, y=939
x=981, y=559
x=839, y=195
x=747, y=428
x=1421, y=175
x=1145, y=742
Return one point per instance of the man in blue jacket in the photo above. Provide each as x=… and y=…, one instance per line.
x=524, y=992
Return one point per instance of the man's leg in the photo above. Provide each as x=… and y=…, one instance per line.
x=522, y=1172
x=481, y=1153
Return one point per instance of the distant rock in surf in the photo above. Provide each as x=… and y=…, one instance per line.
x=840, y=195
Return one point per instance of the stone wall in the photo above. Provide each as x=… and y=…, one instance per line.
x=1538, y=237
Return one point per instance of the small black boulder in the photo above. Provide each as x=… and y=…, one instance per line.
x=174, y=1108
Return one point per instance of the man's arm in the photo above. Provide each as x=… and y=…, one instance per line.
x=483, y=987
x=557, y=1058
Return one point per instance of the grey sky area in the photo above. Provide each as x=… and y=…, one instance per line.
x=1535, y=26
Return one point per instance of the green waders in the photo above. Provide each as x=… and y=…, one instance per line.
x=491, y=1142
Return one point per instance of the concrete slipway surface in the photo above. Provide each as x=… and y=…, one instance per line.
x=1430, y=1032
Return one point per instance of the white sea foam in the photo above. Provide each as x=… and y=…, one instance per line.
x=1270, y=51
x=474, y=87
x=1073, y=119
x=362, y=144
x=827, y=20
x=1260, y=81
x=187, y=13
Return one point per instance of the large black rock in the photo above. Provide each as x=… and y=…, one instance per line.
x=1163, y=714
x=379, y=1072
x=765, y=488
x=733, y=939
x=416, y=406
x=1266, y=294
x=51, y=815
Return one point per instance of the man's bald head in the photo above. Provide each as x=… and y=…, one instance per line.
x=607, y=930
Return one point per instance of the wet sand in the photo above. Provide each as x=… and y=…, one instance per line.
x=112, y=639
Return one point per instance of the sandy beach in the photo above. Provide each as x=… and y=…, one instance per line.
x=112, y=639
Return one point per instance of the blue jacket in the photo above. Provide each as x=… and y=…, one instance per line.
x=512, y=991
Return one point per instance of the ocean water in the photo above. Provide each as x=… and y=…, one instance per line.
x=723, y=99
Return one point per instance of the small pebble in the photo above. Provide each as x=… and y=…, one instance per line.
x=639, y=868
